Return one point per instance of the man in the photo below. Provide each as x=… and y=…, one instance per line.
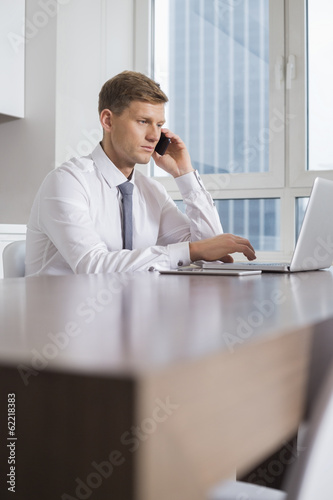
x=84, y=221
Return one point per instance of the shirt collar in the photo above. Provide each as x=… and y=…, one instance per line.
x=110, y=172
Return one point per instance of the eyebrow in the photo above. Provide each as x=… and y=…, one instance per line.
x=148, y=118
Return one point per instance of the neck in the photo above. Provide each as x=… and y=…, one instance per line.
x=123, y=166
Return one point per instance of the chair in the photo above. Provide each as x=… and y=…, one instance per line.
x=13, y=257
x=311, y=477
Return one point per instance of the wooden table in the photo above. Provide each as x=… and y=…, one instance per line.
x=149, y=387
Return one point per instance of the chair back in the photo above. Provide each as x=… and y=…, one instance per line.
x=13, y=259
x=312, y=476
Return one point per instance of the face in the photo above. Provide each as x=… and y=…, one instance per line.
x=132, y=136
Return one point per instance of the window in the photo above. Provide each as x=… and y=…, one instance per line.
x=213, y=59
x=242, y=86
x=217, y=76
x=320, y=81
x=252, y=218
x=309, y=100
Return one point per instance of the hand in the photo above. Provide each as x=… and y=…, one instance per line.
x=176, y=161
x=219, y=248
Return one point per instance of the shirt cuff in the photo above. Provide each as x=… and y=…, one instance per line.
x=189, y=182
x=179, y=254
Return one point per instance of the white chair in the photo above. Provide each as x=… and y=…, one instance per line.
x=311, y=477
x=13, y=259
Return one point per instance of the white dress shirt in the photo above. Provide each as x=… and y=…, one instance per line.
x=75, y=224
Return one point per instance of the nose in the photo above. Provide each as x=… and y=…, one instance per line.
x=153, y=133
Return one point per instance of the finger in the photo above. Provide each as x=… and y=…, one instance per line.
x=245, y=242
x=175, y=139
x=227, y=259
x=248, y=252
x=168, y=133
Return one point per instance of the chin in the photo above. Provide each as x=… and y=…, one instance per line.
x=143, y=159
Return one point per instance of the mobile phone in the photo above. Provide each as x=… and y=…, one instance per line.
x=162, y=144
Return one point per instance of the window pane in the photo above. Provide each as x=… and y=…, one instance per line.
x=255, y=219
x=212, y=58
x=320, y=83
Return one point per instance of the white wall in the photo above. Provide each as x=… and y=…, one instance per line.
x=69, y=54
x=27, y=144
x=94, y=42
x=12, y=57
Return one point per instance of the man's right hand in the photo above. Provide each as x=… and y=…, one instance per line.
x=219, y=248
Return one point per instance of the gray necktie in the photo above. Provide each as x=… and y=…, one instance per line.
x=126, y=190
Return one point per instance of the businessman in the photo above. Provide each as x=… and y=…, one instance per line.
x=98, y=214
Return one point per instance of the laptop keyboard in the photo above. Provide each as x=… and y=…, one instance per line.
x=267, y=264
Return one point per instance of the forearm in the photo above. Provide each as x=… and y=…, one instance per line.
x=148, y=259
x=200, y=208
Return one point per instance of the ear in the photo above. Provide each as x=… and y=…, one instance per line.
x=106, y=119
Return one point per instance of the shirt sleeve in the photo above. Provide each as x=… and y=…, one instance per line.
x=176, y=231
x=201, y=220
x=63, y=216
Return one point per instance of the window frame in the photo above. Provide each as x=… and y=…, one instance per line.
x=288, y=177
x=296, y=100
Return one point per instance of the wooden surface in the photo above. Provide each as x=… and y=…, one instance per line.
x=186, y=377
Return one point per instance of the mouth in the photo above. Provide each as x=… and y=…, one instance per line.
x=149, y=149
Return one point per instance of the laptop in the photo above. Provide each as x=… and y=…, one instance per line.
x=200, y=271
x=314, y=248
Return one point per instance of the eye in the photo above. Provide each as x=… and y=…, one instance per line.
x=143, y=121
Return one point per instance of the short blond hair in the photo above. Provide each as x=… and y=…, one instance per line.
x=118, y=92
